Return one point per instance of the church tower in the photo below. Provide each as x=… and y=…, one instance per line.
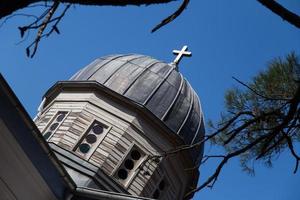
x=113, y=123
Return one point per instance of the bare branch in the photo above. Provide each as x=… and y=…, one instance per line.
x=284, y=13
x=48, y=14
x=173, y=16
x=207, y=157
x=291, y=147
x=58, y=19
x=47, y=18
x=213, y=178
x=15, y=15
x=42, y=29
x=259, y=94
x=7, y=7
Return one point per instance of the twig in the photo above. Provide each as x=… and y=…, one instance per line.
x=15, y=15
x=47, y=17
x=291, y=147
x=207, y=157
x=259, y=94
x=42, y=28
x=172, y=17
x=213, y=178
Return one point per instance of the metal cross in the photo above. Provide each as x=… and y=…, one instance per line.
x=182, y=52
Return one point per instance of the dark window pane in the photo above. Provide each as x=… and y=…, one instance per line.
x=135, y=155
x=60, y=117
x=53, y=126
x=156, y=160
x=91, y=138
x=122, y=174
x=97, y=129
x=129, y=164
x=156, y=194
x=161, y=185
x=84, y=147
x=47, y=135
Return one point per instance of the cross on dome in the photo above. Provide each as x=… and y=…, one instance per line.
x=180, y=54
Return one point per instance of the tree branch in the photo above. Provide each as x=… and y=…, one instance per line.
x=257, y=93
x=293, y=152
x=173, y=16
x=7, y=7
x=281, y=11
x=212, y=179
x=42, y=28
x=294, y=102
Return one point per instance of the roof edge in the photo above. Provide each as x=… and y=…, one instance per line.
x=23, y=117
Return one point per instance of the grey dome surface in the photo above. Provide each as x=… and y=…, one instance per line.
x=153, y=84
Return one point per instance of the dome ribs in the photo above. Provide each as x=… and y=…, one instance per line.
x=196, y=138
x=84, y=71
x=121, y=81
x=200, y=149
x=158, y=86
x=145, y=84
x=121, y=66
x=91, y=69
x=189, y=111
x=174, y=100
x=190, y=127
x=179, y=111
x=108, y=69
x=162, y=96
x=143, y=72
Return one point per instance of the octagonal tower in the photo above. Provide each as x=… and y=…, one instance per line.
x=111, y=122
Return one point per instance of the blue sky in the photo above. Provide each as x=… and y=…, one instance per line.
x=227, y=38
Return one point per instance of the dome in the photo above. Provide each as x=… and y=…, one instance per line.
x=154, y=84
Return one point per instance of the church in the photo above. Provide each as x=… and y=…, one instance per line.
x=114, y=130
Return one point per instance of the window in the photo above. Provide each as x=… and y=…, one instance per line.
x=91, y=139
x=55, y=123
x=161, y=188
x=127, y=169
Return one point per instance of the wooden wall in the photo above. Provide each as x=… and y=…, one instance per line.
x=125, y=129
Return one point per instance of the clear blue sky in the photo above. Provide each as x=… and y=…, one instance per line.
x=227, y=38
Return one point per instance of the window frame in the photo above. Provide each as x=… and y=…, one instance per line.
x=45, y=130
x=88, y=155
x=165, y=177
x=134, y=172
